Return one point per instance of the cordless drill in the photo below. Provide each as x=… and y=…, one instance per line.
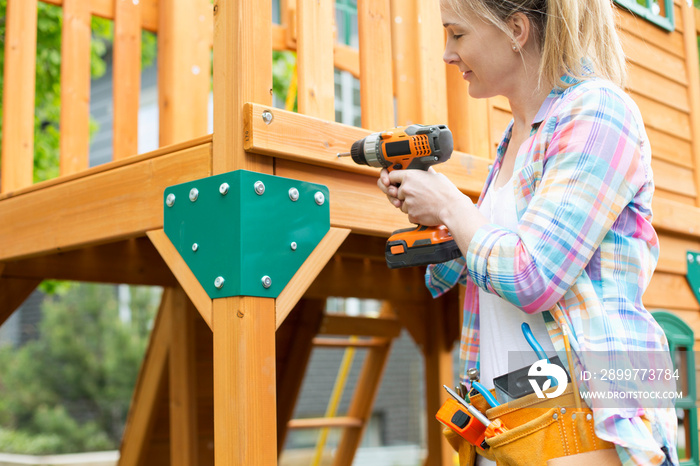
x=410, y=147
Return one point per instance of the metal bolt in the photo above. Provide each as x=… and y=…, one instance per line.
x=259, y=187
x=294, y=194
x=267, y=117
x=294, y=245
x=219, y=282
x=563, y=410
x=170, y=200
x=589, y=417
x=266, y=281
x=195, y=246
x=223, y=189
x=573, y=416
x=691, y=258
x=319, y=198
x=555, y=415
x=194, y=194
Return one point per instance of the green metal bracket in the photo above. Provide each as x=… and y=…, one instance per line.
x=693, y=275
x=245, y=233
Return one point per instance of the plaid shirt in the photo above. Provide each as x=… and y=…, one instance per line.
x=584, y=249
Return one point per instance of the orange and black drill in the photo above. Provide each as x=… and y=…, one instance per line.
x=410, y=147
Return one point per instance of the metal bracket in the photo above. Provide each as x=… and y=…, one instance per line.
x=245, y=233
x=693, y=275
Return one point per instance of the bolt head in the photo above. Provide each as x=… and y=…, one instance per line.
x=259, y=188
x=170, y=200
x=294, y=245
x=691, y=258
x=223, y=189
x=195, y=247
x=194, y=194
x=294, y=194
x=267, y=117
x=219, y=282
x=319, y=198
x=266, y=281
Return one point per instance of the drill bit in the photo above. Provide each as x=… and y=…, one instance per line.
x=344, y=154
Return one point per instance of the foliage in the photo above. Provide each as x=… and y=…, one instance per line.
x=70, y=390
x=48, y=83
x=283, y=64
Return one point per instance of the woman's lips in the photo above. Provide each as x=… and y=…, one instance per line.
x=466, y=74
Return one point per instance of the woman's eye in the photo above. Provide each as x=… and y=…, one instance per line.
x=456, y=36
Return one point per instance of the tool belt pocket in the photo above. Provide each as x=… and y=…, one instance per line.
x=542, y=429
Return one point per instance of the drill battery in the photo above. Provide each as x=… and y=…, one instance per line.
x=420, y=246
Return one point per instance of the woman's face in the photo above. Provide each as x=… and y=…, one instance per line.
x=482, y=52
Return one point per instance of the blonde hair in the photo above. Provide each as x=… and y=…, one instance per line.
x=572, y=35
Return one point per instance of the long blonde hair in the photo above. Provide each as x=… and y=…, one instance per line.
x=571, y=34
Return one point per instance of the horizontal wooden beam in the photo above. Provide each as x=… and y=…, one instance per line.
x=13, y=292
x=349, y=342
x=134, y=261
x=318, y=422
x=105, y=9
x=110, y=205
x=360, y=326
x=301, y=138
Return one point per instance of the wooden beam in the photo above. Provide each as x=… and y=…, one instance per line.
x=382, y=327
x=301, y=138
x=17, y=169
x=404, y=44
x=244, y=381
x=184, y=436
x=315, y=40
x=183, y=69
x=182, y=272
x=319, y=422
x=294, y=341
x=376, y=83
x=348, y=342
x=432, y=93
x=690, y=42
x=114, y=204
x=13, y=292
x=242, y=73
x=105, y=9
x=308, y=272
x=75, y=87
x=133, y=261
x=127, y=78
x=142, y=411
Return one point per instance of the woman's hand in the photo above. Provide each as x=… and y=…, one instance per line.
x=426, y=196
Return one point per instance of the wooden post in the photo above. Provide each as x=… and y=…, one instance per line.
x=468, y=118
x=245, y=428
x=127, y=77
x=183, y=69
x=431, y=67
x=691, y=63
x=18, y=95
x=75, y=87
x=183, y=383
x=403, y=35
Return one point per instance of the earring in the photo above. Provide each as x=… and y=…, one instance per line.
x=515, y=48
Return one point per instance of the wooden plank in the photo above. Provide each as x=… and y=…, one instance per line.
x=183, y=379
x=335, y=324
x=308, y=272
x=332, y=422
x=294, y=346
x=670, y=290
x=673, y=178
x=195, y=291
x=431, y=69
x=675, y=197
x=674, y=217
x=133, y=261
x=468, y=117
x=348, y=342
x=242, y=73
x=670, y=148
x=672, y=258
x=105, y=9
x=671, y=42
x=75, y=87
x=108, y=206
x=691, y=53
x=646, y=54
x=127, y=78
x=658, y=88
x=404, y=45
x=311, y=140
x=244, y=381
x=316, y=88
x=17, y=164
x=183, y=69
x=663, y=118
x=141, y=416
x=13, y=292
x=376, y=83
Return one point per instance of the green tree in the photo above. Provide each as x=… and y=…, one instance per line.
x=69, y=390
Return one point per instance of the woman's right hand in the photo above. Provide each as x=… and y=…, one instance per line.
x=391, y=191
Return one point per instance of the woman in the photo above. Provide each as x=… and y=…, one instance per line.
x=564, y=222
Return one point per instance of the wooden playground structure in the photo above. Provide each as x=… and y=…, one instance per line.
x=221, y=375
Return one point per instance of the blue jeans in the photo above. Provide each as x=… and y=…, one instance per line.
x=668, y=461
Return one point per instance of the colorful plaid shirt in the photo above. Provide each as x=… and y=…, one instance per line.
x=584, y=249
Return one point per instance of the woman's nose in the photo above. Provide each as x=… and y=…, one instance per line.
x=449, y=56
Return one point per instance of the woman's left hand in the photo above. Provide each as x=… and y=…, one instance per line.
x=426, y=196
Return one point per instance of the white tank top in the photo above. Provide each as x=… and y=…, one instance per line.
x=500, y=335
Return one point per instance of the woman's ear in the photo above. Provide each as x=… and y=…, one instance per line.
x=519, y=25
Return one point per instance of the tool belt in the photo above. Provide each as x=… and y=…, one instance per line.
x=539, y=430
